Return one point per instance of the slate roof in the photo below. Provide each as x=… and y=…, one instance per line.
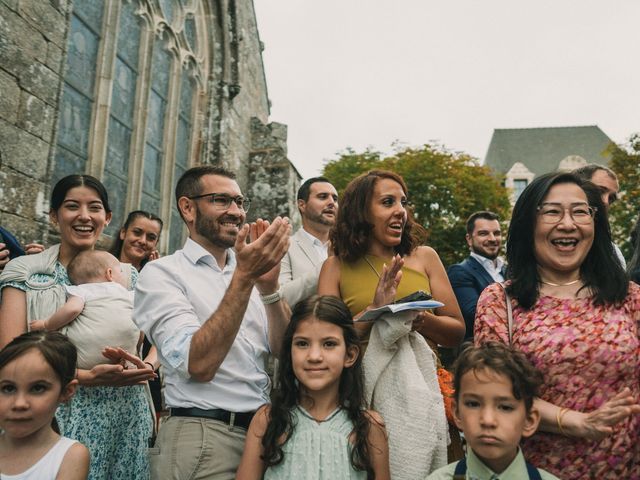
x=542, y=149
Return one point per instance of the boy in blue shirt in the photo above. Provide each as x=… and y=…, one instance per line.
x=493, y=406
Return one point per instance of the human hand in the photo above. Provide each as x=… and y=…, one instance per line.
x=4, y=255
x=599, y=424
x=37, y=325
x=388, y=283
x=107, y=374
x=260, y=258
x=33, y=248
x=417, y=323
x=124, y=358
x=154, y=255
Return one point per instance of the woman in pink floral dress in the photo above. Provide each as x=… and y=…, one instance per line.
x=577, y=318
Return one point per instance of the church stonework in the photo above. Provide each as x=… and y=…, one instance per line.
x=134, y=92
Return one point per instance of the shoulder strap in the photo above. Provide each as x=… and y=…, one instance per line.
x=507, y=300
x=461, y=470
x=533, y=472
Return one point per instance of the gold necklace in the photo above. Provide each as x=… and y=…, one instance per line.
x=551, y=284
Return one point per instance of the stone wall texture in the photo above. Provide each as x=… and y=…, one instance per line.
x=235, y=133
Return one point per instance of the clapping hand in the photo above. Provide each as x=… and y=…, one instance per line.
x=260, y=258
x=153, y=255
x=599, y=424
x=388, y=284
x=120, y=374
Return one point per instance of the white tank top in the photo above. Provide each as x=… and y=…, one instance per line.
x=47, y=467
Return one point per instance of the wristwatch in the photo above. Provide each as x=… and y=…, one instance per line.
x=271, y=298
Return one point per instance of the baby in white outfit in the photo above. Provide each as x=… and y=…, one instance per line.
x=97, y=313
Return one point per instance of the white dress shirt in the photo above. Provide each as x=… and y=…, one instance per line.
x=322, y=249
x=493, y=269
x=174, y=296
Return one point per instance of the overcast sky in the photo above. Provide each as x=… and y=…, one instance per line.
x=345, y=73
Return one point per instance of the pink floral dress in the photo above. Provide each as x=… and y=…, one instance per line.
x=587, y=355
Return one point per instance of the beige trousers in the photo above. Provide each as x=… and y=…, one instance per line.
x=190, y=448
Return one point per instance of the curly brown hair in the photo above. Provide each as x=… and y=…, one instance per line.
x=351, y=235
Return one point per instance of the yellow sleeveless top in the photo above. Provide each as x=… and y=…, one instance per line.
x=358, y=282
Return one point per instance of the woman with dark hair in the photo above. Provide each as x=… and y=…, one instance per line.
x=577, y=318
x=109, y=413
x=138, y=238
x=137, y=243
x=378, y=260
x=633, y=267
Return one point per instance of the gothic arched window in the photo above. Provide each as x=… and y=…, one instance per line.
x=132, y=99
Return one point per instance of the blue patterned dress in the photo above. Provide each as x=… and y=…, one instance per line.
x=115, y=423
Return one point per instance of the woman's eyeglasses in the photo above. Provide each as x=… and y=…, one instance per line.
x=554, y=213
x=222, y=201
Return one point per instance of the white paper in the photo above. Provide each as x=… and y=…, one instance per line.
x=399, y=307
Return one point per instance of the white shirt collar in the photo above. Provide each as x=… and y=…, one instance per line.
x=316, y=241
x=196, y=253
x=493, y=269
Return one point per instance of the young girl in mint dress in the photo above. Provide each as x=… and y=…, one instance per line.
x=317, y=427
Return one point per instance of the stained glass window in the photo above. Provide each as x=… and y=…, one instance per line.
x=156, y=116
x=116, y=168
x=78, y=91
x=182, y=155
x=123, y=138
x=168, y=9
x=190, y=32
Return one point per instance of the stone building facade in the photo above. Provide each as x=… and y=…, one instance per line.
x=134, y=92
x=521, y=154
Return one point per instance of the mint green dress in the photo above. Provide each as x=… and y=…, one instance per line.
x=317, y=450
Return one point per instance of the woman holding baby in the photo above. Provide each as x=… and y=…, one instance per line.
x=109, y=413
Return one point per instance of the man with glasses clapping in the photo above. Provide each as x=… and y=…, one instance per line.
x=214, y=313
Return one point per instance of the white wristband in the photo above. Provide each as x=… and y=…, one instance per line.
x=271, y=298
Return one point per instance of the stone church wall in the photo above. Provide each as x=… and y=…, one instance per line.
x=233, y=132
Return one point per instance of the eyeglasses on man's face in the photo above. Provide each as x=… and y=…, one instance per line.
x=222, y=201
x=580, y=213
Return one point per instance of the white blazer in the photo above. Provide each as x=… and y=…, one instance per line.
x=299, y=269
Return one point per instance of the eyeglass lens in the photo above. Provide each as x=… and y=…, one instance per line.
x=578, y=213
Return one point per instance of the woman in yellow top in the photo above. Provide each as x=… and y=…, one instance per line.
x=378, y=258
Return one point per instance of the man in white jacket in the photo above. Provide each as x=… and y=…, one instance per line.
x=300, y=267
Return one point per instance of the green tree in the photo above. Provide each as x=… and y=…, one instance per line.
x=444, y=188
x=625, y=161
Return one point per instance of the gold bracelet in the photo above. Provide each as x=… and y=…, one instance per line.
x=560, y=413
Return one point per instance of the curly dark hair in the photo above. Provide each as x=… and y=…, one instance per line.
x=287, y=392
x=503, y=360
x=601, y=270
x=351, y=235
